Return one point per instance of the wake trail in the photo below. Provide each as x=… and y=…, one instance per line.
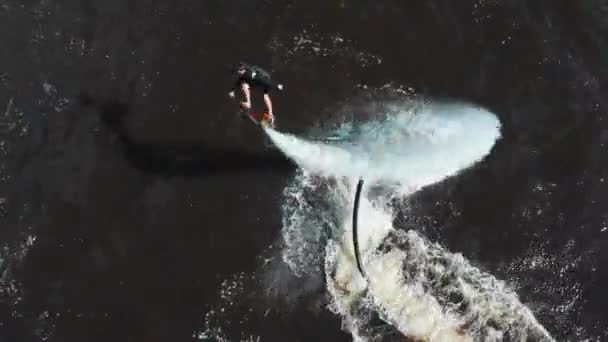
x=411, y=149
x=418, y=287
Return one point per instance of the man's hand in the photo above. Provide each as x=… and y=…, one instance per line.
x=245, y=104
x=231, y=94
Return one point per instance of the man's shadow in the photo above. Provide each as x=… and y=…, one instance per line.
x=184, y=160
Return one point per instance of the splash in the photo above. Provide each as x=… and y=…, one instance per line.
x=413, y=285
x=410, y=148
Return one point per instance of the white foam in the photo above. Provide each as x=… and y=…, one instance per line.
x=412, y=149
x=411, y=280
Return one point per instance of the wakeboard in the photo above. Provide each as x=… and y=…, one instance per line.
x=258, y=119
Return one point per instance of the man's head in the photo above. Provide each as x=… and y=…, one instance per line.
x=240, y=68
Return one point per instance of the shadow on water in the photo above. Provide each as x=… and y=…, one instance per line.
x=183, y=159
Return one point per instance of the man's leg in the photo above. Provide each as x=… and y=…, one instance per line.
x=268, y=103
x=247, y=103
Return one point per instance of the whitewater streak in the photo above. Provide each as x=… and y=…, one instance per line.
x=413, y=149
x=416, y=286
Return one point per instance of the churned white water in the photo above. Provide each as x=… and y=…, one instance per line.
x=412, y=284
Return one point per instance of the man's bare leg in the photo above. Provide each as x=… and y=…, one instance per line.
x=268, y=103
x=269, y=107
x=247, y=93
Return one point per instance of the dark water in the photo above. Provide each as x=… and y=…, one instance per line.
x=140, y=190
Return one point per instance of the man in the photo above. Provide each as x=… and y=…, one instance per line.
x=254, y=76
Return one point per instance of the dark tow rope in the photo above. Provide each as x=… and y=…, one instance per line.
x=355, y=216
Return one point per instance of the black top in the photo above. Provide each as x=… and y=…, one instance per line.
x=255, y=77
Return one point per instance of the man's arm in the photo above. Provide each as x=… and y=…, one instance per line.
x=236, y=84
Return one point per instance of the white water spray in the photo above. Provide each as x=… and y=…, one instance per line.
x=412, y=149
x=418, y=287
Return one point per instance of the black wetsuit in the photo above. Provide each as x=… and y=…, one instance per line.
x=256, y=77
